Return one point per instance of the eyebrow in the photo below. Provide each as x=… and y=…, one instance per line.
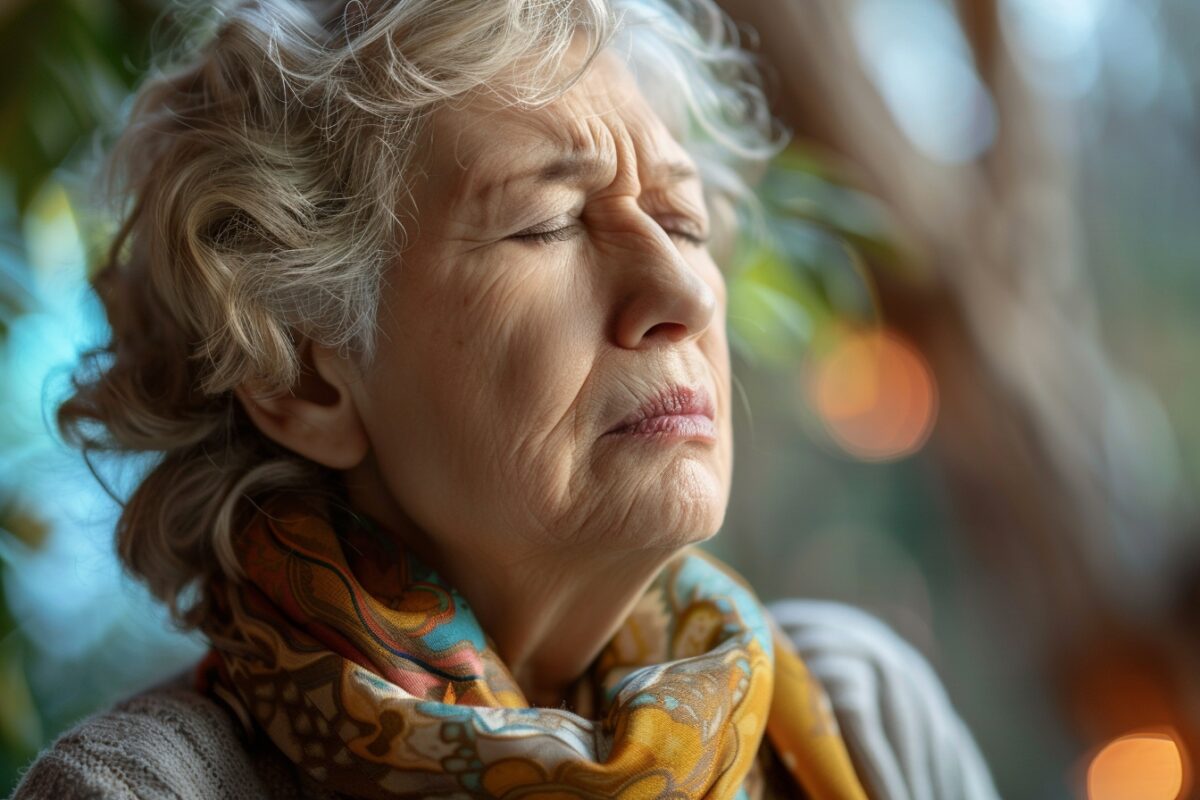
x=573, y=167
x=564, y=169
x=577, y=167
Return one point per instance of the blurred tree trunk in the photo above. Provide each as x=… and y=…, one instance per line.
x=1037, y=433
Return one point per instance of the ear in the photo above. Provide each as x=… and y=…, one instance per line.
x=317, y=418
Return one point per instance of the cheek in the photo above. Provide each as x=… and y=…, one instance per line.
x=530, y=346
x=500, y=362
x=716, y=349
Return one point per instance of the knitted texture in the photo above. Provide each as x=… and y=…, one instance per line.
x=169, y=742
x=904, y=736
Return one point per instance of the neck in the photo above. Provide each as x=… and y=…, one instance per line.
x=549, y=618
x=547, y=614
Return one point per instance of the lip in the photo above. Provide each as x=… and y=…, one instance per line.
x=675, y=411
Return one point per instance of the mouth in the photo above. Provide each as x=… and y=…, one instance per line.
x=675, y=412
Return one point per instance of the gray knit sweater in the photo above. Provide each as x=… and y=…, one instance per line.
x=168, y=742
x=905, y=739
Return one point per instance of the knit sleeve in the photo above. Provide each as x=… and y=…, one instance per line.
x=903, y=735
x=165, y=744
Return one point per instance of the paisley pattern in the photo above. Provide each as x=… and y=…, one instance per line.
x=376, y=679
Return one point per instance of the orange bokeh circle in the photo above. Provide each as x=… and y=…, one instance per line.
x=874, y=393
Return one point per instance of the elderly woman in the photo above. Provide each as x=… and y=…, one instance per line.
x=418, y=301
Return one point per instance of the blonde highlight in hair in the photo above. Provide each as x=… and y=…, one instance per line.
x=265, y=195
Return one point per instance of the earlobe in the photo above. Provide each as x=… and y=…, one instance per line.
x=317, y=417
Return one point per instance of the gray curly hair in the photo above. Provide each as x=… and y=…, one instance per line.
x=263, y=183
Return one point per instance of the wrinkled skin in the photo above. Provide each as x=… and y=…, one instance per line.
x=503, y=361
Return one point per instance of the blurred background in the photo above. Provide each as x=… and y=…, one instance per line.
x=964, y=357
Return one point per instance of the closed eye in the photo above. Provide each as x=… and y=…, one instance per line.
x=694, y=239
x=683, y=227
x=567, y=232
x=547, y=236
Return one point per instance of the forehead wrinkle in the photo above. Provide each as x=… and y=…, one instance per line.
x=660, y=159
x=553, y=150
x=598, y=127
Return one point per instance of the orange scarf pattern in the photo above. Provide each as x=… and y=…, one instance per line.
x=376, y=680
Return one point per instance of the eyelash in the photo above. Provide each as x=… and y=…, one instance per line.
x=546, y=237
x=568, y=232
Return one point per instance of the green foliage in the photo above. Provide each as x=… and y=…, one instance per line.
x=804, y=270
x=67, y=69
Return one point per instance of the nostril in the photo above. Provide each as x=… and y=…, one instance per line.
x=672, y=330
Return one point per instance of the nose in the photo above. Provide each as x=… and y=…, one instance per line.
x=662, y=297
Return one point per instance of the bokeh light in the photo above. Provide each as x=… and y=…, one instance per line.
x=1140, y=766
x=874, y=394
x=1057, y=43
x=915, y=53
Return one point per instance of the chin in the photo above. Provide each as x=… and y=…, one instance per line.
x=688, y=504
x=658, y=504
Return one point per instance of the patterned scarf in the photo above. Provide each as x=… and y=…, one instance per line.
x=374, y=677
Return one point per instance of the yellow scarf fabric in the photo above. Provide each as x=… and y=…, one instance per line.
x=374, y=677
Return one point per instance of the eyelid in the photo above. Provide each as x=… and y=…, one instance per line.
x=691, y=238
x=547, y=226
x=557, y=229
x=566, y=227
x=684, y=226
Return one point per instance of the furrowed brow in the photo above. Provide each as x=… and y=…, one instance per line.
x=574, y=168
x=577, y=168
x=571, y=168
x=670, y=173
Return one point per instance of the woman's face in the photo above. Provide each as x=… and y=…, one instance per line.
x=555, y=282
